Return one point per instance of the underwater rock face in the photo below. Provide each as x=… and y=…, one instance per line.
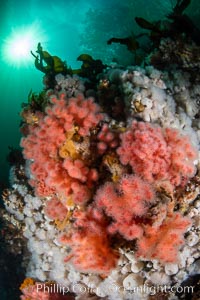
x=134, y=230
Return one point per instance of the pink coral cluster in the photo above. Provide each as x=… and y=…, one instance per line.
x=127, y=204
x=106, y=139
x=84, y=113
x=91, y=248
x=124, y=202
x=122, y=208
x=55, y=209
x=56, y=167
x=163, y=242
x=158, y=154
x=70, y=148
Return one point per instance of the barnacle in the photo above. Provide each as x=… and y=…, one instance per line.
x=104, y=84
x=138, y=106
x=5, y=194
x=112, y=162
x=189, y=194
x=60, y=225
x=29, y=116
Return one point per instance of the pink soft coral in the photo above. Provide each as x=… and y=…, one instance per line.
x=158, y=154
x=107, y=139
x=56, y=167
x=124, y=202
x=163, y=242
x=91, y=249
x=55, y=209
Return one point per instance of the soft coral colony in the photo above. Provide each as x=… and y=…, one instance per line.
x=109, y=190
x=108, y=186
x=104, y=185
x=71, y=177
